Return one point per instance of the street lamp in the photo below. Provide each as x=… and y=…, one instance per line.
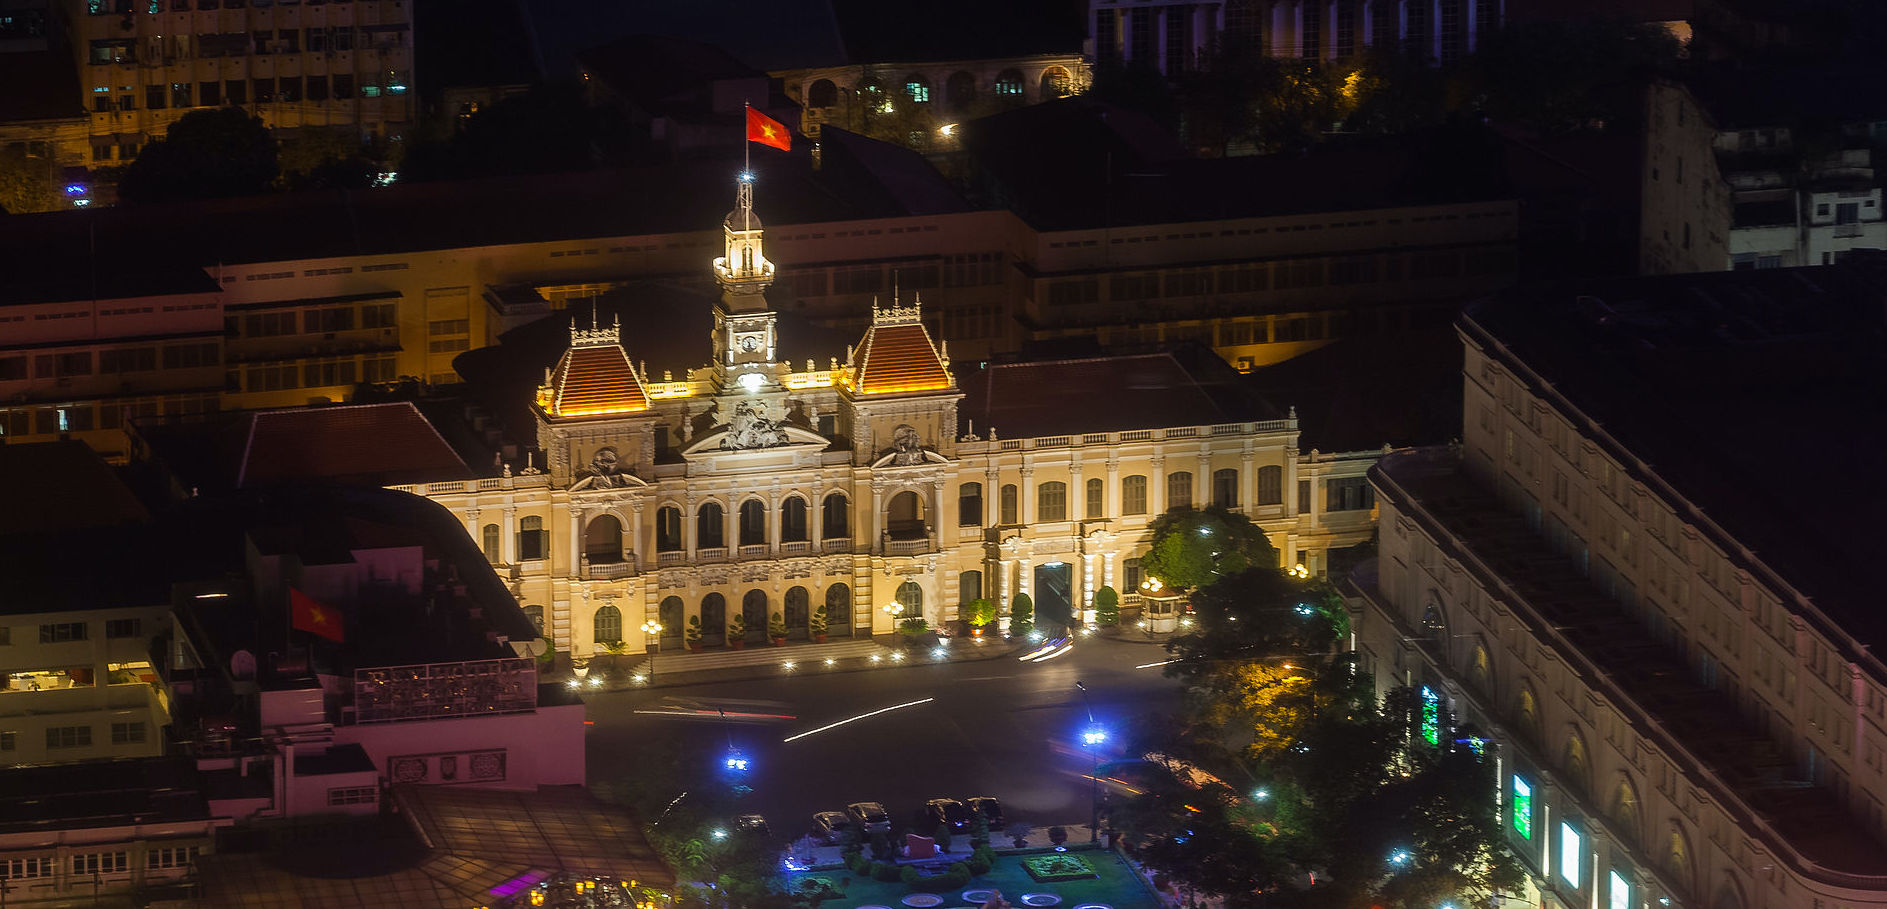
x=1092, y=737
x=894, y=610
x=652, y=631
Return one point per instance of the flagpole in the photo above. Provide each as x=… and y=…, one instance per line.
x=746, y=166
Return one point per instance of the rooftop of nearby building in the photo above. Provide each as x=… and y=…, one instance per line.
x=1091, y=164
x=1363, y=392
x=142, y=250
x=1632, y=668
x=72, y=534
x=119, y=793
x=666, y=75
x=352, y=445
x=50, y=487
x=1184, y=387
x=875, y=32
x=1722, y=385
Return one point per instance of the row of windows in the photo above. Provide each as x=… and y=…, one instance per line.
x=315, y=374
x=283, y=89
x=1052, y=496
x=153, y=7
x=314, y=320
x=82, y=417
x=111, y=362
x=1254, y=277
x=98, y=862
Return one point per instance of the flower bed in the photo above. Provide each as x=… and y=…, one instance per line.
x=821, y=888
x=1058, y=867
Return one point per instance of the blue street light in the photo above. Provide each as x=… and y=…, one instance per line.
x=1400, y=857
x=1094, y=736
x=737, y=762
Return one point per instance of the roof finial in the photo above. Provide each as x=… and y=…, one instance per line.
x=894, y=288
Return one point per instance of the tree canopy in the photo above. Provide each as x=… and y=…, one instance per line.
x=1195, y=548
x=206, y=154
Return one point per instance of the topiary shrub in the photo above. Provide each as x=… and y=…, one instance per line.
x=981, y=860
x=1021, y=615
x=955, y=876
x=1107, y=606
x=885, y=871
x=979, y=612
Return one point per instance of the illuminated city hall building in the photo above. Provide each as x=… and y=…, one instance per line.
x=873, y=488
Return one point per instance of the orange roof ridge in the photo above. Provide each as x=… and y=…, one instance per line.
x=897, y=353
x=594, y=377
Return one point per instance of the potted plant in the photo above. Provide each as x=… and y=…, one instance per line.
x=1107, y=607
x=776, y=629
x=693, y=633
x=817, y=625
x=1058, y=835
x=1021, y=615
x=979, y=612
x=737, y=632
x=913, y=626
x=1018, y=834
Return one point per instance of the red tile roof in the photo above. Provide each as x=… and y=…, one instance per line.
x=381, y=444
x=592, y=381
x=897, y=358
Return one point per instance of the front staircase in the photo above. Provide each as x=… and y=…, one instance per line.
x=670, y=662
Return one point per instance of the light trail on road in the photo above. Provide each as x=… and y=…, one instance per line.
x=862, y=716
x=1152, y=665
x=721, y=714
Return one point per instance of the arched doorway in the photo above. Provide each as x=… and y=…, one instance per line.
x=1054, y=600
x=798, y=613
x=1056, y=83
x=753, y=608
x=960, y=90
x=714, y=620
x=671, y=615
x=602, y=540
x=536, y=615
x=822, y=93
x=839, y=611
x=668, y=529
x=710, y=526
x=904, y=516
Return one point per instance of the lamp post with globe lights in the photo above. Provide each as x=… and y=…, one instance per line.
x=652, y=631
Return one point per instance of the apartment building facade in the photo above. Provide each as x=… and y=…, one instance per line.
x=1684, y=710
x=1174, y=37
x=296, y=64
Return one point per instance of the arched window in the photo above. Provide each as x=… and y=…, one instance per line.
x=1056, y=83
x=911, y=597
x=822, y=93
x=969, y=586
x=1676, y=861
x=960, y=90
x=670, y=614
x=793, y=526
x=602, y=540
x=798, y=612
x=1009, y=83
x=1577, y=763
x=836, y=517
x=488, y=537
x=713, y=620
x=917, y=88
x=839, y=610
x=710, y=526
x=668, y=529
x=1225, y=487
x=536, y=615
x=1009, y=509
x=970, y=505
x=608, y=625
x=532, y=542
x=1624, y=811
x=1133, y=495
x=1179, y=490
x=904, y=516
x=1271, y=485
x=1434, y=621
x=1097, y=498
x=1481, y=670
x=753, y=523
x=1527, y=714
x=1051, y=501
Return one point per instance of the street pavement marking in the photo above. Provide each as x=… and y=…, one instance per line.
x=855, y=719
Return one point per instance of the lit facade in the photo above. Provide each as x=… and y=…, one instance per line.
x=1173, y=36
x=1676, y=721
x=946, y=90
x=79, y=684
x=346, y=64
x=754, y=486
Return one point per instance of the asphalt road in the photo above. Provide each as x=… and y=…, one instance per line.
x=998, y=727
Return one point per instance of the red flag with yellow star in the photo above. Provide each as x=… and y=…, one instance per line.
x=768, y=131
x=311, y=615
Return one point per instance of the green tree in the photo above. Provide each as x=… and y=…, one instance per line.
x=980, y=612
x=1563, y=75
x=206, y=154
x=1195, y=548
x=335, y=158
x=27, y=184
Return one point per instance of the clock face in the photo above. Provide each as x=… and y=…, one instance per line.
x=749, y=343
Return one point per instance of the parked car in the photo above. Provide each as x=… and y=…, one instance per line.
x=831, y=826
x=869, y=817
x=989, y=808
x=947, y=813
x=751, y=825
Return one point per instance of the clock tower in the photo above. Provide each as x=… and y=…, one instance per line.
x=744, y=330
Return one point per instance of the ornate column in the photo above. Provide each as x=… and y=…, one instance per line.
x=1077, y=493
x=1024, y=578
x=1107, y=572
x=1247, y=480
x=1112, y=494
x=690, y=527
x=635, y=547
x=875, y=542
x=1202, y=478
x=818, y=519
x=509, y=543
x=936, y=513
x=992, y=492
x=578, y=516
x=1026, y=495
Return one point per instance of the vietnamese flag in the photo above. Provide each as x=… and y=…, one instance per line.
x=768, y=131
x=311, y=615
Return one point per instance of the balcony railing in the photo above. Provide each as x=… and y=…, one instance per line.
x=1131, y=435
x=837, y=544
x=711, y=554
x=605, y=570
x=795, y=547
x=754, y=551
x=907, y=547
x=671, y=557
